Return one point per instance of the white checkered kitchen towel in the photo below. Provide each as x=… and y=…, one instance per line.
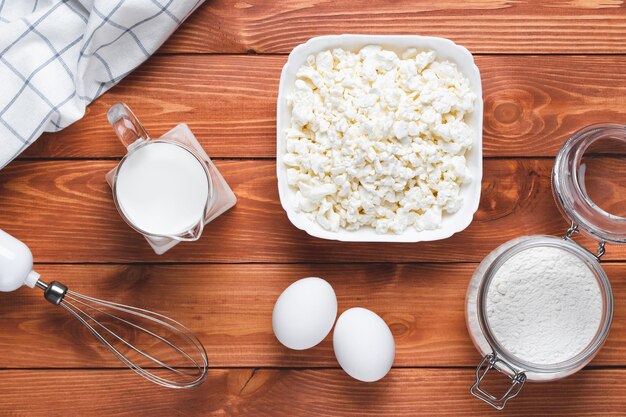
x=57, y=56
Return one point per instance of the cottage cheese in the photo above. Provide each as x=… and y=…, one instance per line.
x=378, y=140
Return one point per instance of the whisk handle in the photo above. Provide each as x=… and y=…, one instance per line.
x=16, y=264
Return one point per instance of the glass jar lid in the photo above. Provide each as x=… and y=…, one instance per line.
x=589, y=178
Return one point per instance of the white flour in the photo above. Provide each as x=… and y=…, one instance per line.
x=544, y=305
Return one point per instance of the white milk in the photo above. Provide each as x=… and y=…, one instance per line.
x=162, y=189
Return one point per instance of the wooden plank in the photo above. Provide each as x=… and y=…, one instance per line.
x=64, y=211
x=503, y=26
x=264, y=392
x=532, y=104
x=230, y=308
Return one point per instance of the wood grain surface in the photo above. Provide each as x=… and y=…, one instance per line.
x=532, y=104
x=64, y=211
x=548, y=68
x=285, y=393
x=498, y=26
x=230, y=307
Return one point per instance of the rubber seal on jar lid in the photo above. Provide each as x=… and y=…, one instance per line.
x=596, y=147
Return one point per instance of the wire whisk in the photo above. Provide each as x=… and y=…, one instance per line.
x=177, y=358
x=165, y=336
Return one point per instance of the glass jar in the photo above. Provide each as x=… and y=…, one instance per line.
x=577, y=190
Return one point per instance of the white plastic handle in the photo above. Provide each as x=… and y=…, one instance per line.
x=16, y=264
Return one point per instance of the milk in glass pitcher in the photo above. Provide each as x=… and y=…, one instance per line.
x=167, y=189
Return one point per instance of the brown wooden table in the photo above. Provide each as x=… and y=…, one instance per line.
x=548, y=69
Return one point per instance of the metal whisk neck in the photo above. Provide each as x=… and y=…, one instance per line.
x=53, y=292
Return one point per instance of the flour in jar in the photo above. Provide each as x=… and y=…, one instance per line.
x=544, y=305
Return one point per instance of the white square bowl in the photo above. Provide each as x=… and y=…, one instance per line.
x=446, y=50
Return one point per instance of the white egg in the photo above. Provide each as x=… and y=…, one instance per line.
x=363, y=344
x=304, y=313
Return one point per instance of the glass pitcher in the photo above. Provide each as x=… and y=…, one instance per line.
x=169, y=192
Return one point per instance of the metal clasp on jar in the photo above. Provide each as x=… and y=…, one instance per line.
x=574, y=229
x=489, y=362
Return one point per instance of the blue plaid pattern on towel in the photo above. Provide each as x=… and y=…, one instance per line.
x=57, y=56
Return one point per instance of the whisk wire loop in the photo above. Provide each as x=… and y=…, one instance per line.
x=80, y=306
x=142, y=329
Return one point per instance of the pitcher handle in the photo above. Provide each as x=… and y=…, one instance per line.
x=126, y=126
